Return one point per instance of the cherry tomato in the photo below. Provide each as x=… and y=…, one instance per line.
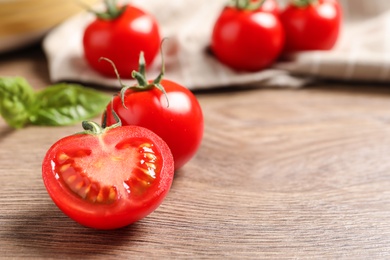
x=179, y=123
x=108, y=178
x=247, y=39
x=120, y=38
x=311, y=25
x=270, y=6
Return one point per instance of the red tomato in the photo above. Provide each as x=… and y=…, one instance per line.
x=180, y=124
x=247, y=40
x=110, y=178
x=121, y=39
x=314, y=26
x=270, y=6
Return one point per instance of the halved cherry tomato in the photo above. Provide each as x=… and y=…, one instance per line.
x=311, y=24
x=120, y=34
x=108, y=178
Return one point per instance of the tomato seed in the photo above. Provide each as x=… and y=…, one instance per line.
x=63, y=157
x=64, y=167
x=79, y=185
x=84, y=191
x=100, y=197
x=150, y=156
x=150, y=165
x=112, y=194
x=71, y=179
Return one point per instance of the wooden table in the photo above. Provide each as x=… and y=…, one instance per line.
x=281, y=173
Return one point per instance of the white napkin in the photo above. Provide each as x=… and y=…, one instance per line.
x=362, y=52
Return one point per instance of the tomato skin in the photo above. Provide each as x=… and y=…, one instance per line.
x=180, y=124
x=313, y=27
x=270, y=6
x=247, y=40
x=121, y=40
x=96, y=162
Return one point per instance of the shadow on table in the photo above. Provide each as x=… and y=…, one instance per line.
x=47, y=232
x=5, y=131
x=361, y=87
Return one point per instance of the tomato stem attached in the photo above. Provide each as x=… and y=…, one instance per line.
x=113, y=10
x=94, y=128
x=249, y=5
x=116, y=117
x=303, y=3
x=91, y=127
x=142, y=81
x=140, y=76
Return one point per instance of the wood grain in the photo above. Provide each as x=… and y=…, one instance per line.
x=281, y=174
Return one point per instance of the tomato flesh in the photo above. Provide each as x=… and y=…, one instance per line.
x=83, y=172
x=109, y=180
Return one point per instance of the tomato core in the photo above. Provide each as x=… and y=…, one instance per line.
x=130, y=170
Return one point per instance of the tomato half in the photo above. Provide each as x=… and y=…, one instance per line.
x=247, y=40
x=110, y=179
x=179, y=123
x=311, y=26
x=121, y=39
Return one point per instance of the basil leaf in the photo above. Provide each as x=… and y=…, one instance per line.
x=56, y=105
x=17, y=100
x=65, y=104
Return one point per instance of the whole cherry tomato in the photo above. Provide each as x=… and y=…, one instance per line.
x=311, y=24
x=165, y=107
x=120, y=34
x=108, y=178
x=246, y=38
x=270, y=6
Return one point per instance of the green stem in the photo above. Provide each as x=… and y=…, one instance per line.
x=248, y=5
x=142, y=81
x=112, y=10
x=91, y=127
x=94, y=128
x=140, y=76
x=116, y=117
x=303, y=3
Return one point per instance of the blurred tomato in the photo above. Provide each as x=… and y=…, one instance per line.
x=246, y=38
x=311, y=25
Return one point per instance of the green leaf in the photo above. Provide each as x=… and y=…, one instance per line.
x=17, y=100
x=66, y=104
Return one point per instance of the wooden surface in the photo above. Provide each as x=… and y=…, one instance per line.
x=281, y=174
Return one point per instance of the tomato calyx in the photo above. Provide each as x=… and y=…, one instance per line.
x=113, y=10
x=91, y=127
x=247, y=5
x=303, y=3
x=140, y=77
x=142, y=81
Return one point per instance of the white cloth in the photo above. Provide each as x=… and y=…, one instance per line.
x=362, y=52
